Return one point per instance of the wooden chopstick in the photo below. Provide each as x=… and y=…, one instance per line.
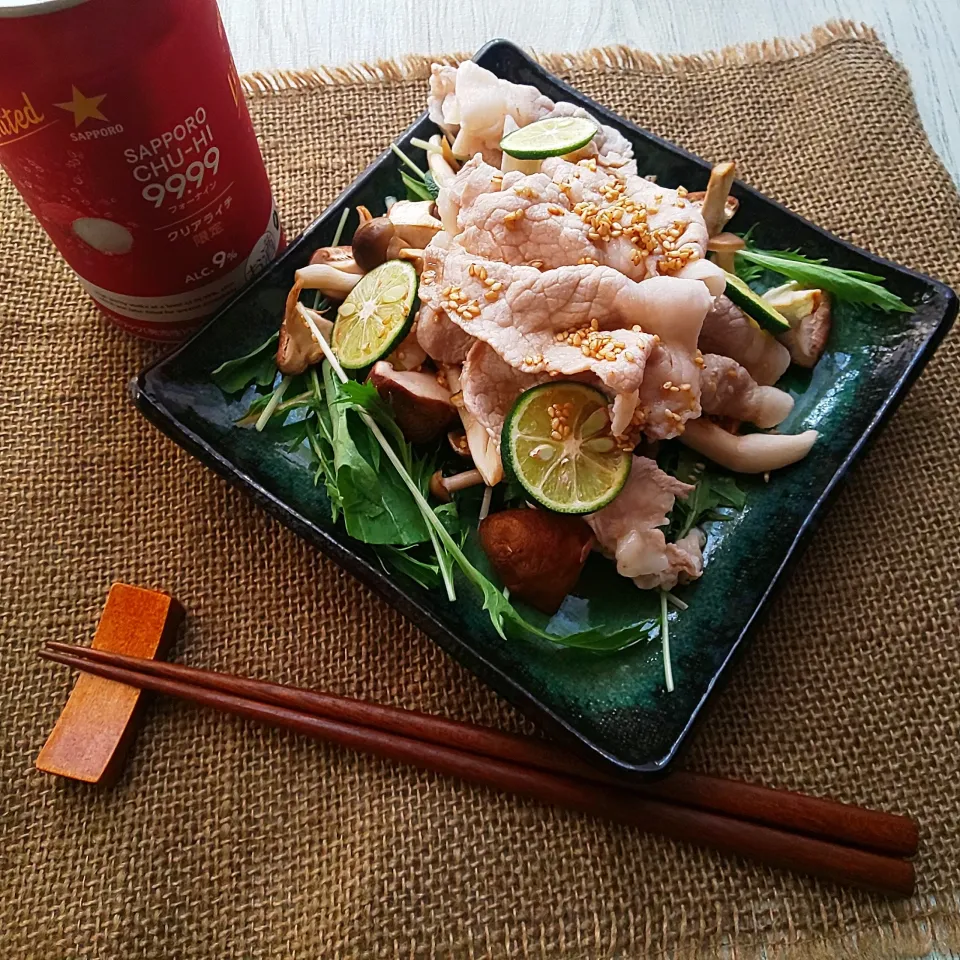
x=849, y=865
x=886, y=833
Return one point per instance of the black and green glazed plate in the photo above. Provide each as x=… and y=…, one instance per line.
x=613, y=708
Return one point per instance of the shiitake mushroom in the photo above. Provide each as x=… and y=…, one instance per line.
x=537, y=554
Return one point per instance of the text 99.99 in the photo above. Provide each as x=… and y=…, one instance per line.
x=177, y=184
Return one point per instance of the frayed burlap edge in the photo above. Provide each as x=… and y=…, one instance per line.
x=937, y=929
x=935, y=934
x=417, y=67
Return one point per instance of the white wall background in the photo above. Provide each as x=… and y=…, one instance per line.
x=923, y=34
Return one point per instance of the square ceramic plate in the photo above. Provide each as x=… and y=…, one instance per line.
x=613, y=708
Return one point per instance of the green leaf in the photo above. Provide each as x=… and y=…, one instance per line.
x=321, y=445
x=365, y=397
x=252, y=414
x=289, y=435
x=713, y=493
x=404, y=561
x=449, y=516
x=852, y=285
x=259, y=367
x=747, y=272
x=431, y=185
x=377, y=507
x=416, y=189
x=800, y=258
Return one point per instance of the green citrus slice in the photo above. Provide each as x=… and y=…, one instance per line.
x=376, y=314
x=556, y=443
x=755, y=307
x=552, y=137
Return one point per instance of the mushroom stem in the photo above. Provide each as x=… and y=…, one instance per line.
x=448, y=153
x=715, y=199
x=747, y=453
x=340, y=258
x=443, y=171
x=414, y=254
x=363, y=214
x=723, y=247
x=327, y=279
x=442, y=487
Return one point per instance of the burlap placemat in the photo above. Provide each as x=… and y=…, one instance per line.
x=223, y=839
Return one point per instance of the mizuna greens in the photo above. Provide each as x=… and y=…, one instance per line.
x=852, y=285
x=377, y=484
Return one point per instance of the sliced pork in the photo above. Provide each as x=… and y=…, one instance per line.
x=728, y=331
x=629, y=529
x=727, y=390
x=477, y=108
x=490, y=386
x=579, y=213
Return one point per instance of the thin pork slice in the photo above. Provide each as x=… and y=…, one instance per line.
x=727, y=390
x=729, y=332
x=629, y=529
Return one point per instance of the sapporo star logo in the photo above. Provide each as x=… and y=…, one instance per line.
x=83, y=108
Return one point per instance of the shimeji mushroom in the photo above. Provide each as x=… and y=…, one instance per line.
x=440, y=166
x=421, y=405
x=340, y=258
x=747, y=453
x=297, y=341
x=483, y=448
x=717, y=206
x=330, y=281
x=298, y=347
x=809, y=314
x=442, y=487
x=724, y=247
x=409, y=225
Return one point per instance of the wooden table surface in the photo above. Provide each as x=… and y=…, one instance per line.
x=923, y=34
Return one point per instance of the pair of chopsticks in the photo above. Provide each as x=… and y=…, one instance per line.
x=835, y=841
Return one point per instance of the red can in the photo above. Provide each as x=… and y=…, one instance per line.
x=123, y=126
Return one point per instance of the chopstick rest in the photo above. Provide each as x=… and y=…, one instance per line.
x=98, y=723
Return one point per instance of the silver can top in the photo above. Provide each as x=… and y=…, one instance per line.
x=33, y=8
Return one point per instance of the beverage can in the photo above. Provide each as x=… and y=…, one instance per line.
x=123, y=126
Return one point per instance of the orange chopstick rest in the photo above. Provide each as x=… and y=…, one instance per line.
x=98, y=724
